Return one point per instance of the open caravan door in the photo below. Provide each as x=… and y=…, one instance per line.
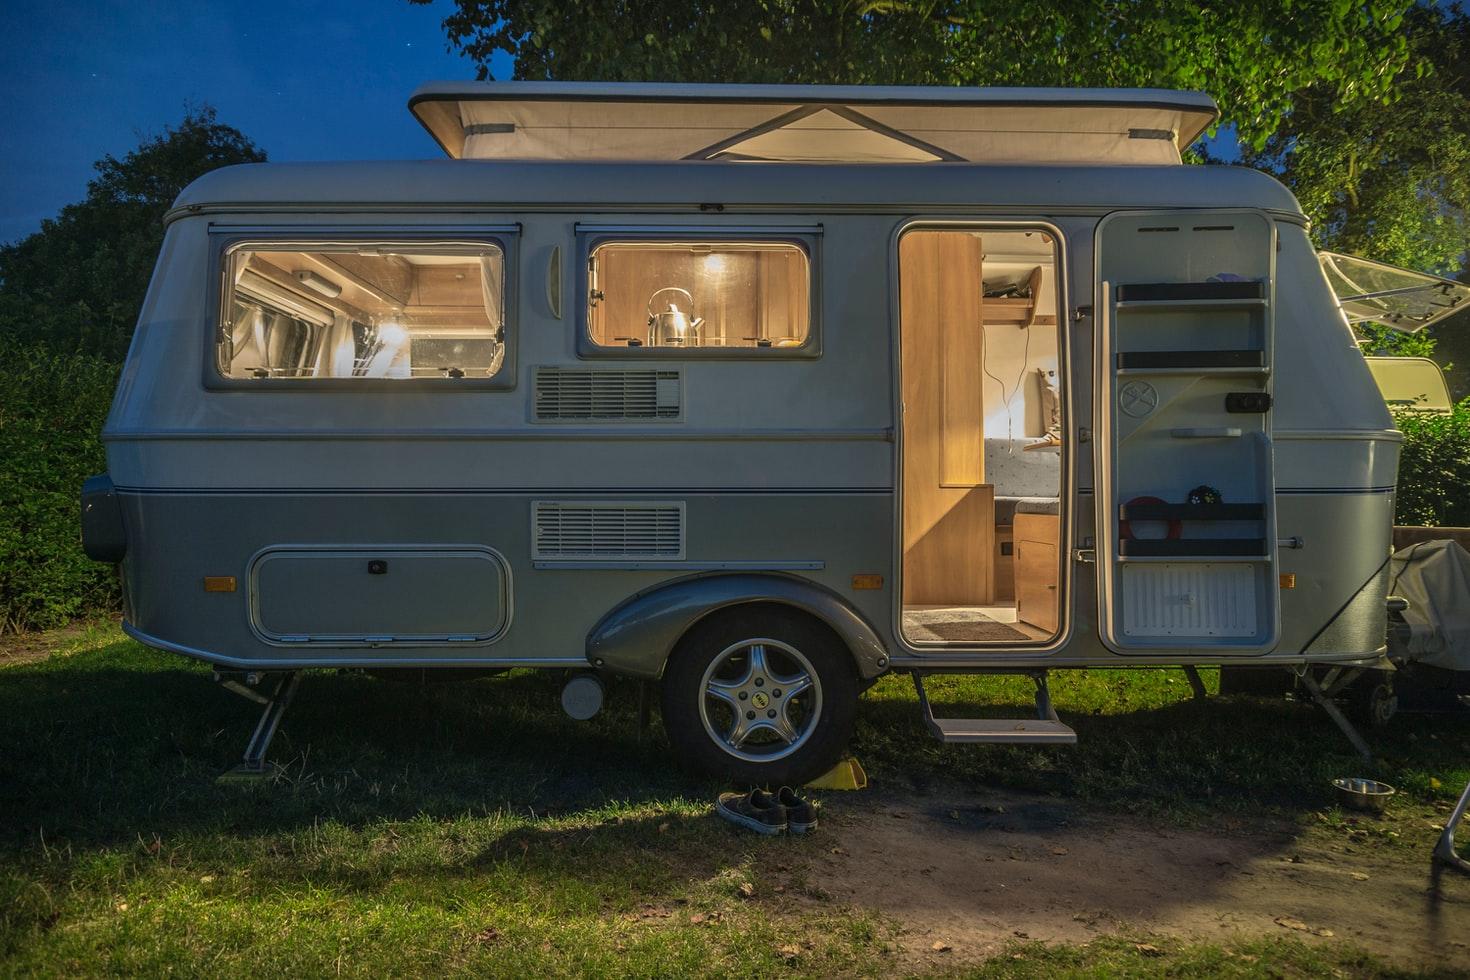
x=1184, y=482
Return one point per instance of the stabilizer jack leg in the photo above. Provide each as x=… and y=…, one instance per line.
x=1325, y=702
x=253, y=766
x=1196, y=683
x=1444, y=851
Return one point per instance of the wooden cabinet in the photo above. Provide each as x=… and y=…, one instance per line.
x=1037, y=547
x=948, y=509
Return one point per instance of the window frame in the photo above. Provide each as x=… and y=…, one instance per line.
x=225, y=241
x=808, y=239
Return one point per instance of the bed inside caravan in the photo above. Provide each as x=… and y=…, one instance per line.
x=362, y=310
x=982, y=436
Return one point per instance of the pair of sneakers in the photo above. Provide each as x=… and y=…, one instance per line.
x=768, y=813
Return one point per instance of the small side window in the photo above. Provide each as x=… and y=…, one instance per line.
x=698, y=295
x=362, y=310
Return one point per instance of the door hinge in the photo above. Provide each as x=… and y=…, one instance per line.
x=1081, y=313
x=1084, y=434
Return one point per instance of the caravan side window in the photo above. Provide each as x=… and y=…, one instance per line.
x=698, y=296
x=362, y=310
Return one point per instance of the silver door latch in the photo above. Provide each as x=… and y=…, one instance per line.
x=1086, y=555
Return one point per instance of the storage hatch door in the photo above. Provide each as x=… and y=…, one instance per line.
x=1184, y=483
x=388, y=594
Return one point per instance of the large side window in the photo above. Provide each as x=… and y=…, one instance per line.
x=360, y=310
x=693, y=296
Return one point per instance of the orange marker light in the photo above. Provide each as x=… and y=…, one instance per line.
x=1288, y=580
x=867, y=581
x=219, y=583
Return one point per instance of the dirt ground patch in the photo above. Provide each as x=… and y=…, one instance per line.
x=963, y=873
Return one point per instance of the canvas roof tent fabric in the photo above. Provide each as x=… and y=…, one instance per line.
x=810, y=123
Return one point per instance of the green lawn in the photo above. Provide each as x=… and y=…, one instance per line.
x=472, y=828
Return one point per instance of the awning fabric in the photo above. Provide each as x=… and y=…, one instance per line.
x=810, y=124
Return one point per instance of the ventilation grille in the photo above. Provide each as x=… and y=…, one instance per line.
x=1189, y=600
x=564, y=395
x=586, y=531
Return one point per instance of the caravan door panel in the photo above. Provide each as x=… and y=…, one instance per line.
x=1185, y=484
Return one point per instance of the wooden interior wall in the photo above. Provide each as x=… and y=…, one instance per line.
x=948, y=510
x=748, y=295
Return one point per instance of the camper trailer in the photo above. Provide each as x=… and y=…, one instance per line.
x=755, y=394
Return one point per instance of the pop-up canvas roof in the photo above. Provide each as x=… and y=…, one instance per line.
x=809, y=123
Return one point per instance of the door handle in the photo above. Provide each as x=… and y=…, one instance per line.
x=1222, y=432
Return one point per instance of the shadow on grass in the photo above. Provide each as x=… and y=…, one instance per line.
x=108, y=744
x=113, y=744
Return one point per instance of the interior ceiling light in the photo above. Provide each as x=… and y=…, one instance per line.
x=320, y=284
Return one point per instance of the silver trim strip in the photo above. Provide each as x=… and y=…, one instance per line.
x=679, y=566
x=303, y=663
x=561, y=433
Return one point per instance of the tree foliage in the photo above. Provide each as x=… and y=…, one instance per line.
x=1252, y=55
x=79, y=282
x=1388, y=180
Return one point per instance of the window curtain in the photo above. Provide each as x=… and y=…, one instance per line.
x=492, y=288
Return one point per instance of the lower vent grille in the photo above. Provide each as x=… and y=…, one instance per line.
x=607, y=531
x=581, y=395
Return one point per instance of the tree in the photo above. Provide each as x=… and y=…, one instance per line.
x=1252, y=55
x=78, y=283
x=1391, y=180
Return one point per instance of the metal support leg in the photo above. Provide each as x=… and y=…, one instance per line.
x=1444, y=851
x=253, y=765
x=1044, y=709
x=1333, y=712
x=1196, y=683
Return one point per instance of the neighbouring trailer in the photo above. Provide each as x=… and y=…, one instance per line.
x=758, y=392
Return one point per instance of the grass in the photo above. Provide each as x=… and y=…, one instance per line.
x=472, y=828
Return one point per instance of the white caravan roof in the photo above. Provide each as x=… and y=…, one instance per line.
x=810, y=123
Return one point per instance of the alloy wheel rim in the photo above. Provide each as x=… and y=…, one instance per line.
x=760, y=700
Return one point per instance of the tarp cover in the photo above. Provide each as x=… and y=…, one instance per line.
x=810, y=124
x=1434, y=576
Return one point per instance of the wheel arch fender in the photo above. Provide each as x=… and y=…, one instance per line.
x=637, y=638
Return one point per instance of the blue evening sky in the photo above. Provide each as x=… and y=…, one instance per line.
x=311, y=80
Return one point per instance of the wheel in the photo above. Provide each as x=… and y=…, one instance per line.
x=1374, y=700
x=764, y=696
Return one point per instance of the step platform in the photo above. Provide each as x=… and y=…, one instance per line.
x=1012, y=731
x=1044, y=729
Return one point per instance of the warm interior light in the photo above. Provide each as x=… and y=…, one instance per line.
x=320, y=284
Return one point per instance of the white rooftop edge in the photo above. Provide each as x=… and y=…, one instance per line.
x=606, y=121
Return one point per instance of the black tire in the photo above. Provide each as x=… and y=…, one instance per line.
x=823, y=735
x=1373, y=699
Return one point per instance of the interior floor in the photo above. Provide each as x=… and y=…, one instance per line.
x=968, y=624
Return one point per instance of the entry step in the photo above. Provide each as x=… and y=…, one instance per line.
x=1044, y=729
x=1013, y=731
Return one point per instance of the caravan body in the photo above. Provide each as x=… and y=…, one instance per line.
x=737, y=387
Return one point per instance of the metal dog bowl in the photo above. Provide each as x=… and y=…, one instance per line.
x=1364, y=794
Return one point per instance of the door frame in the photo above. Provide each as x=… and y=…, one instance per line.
x=1067, y=492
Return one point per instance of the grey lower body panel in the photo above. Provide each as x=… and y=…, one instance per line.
x=177, y=539
x=540, y=612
